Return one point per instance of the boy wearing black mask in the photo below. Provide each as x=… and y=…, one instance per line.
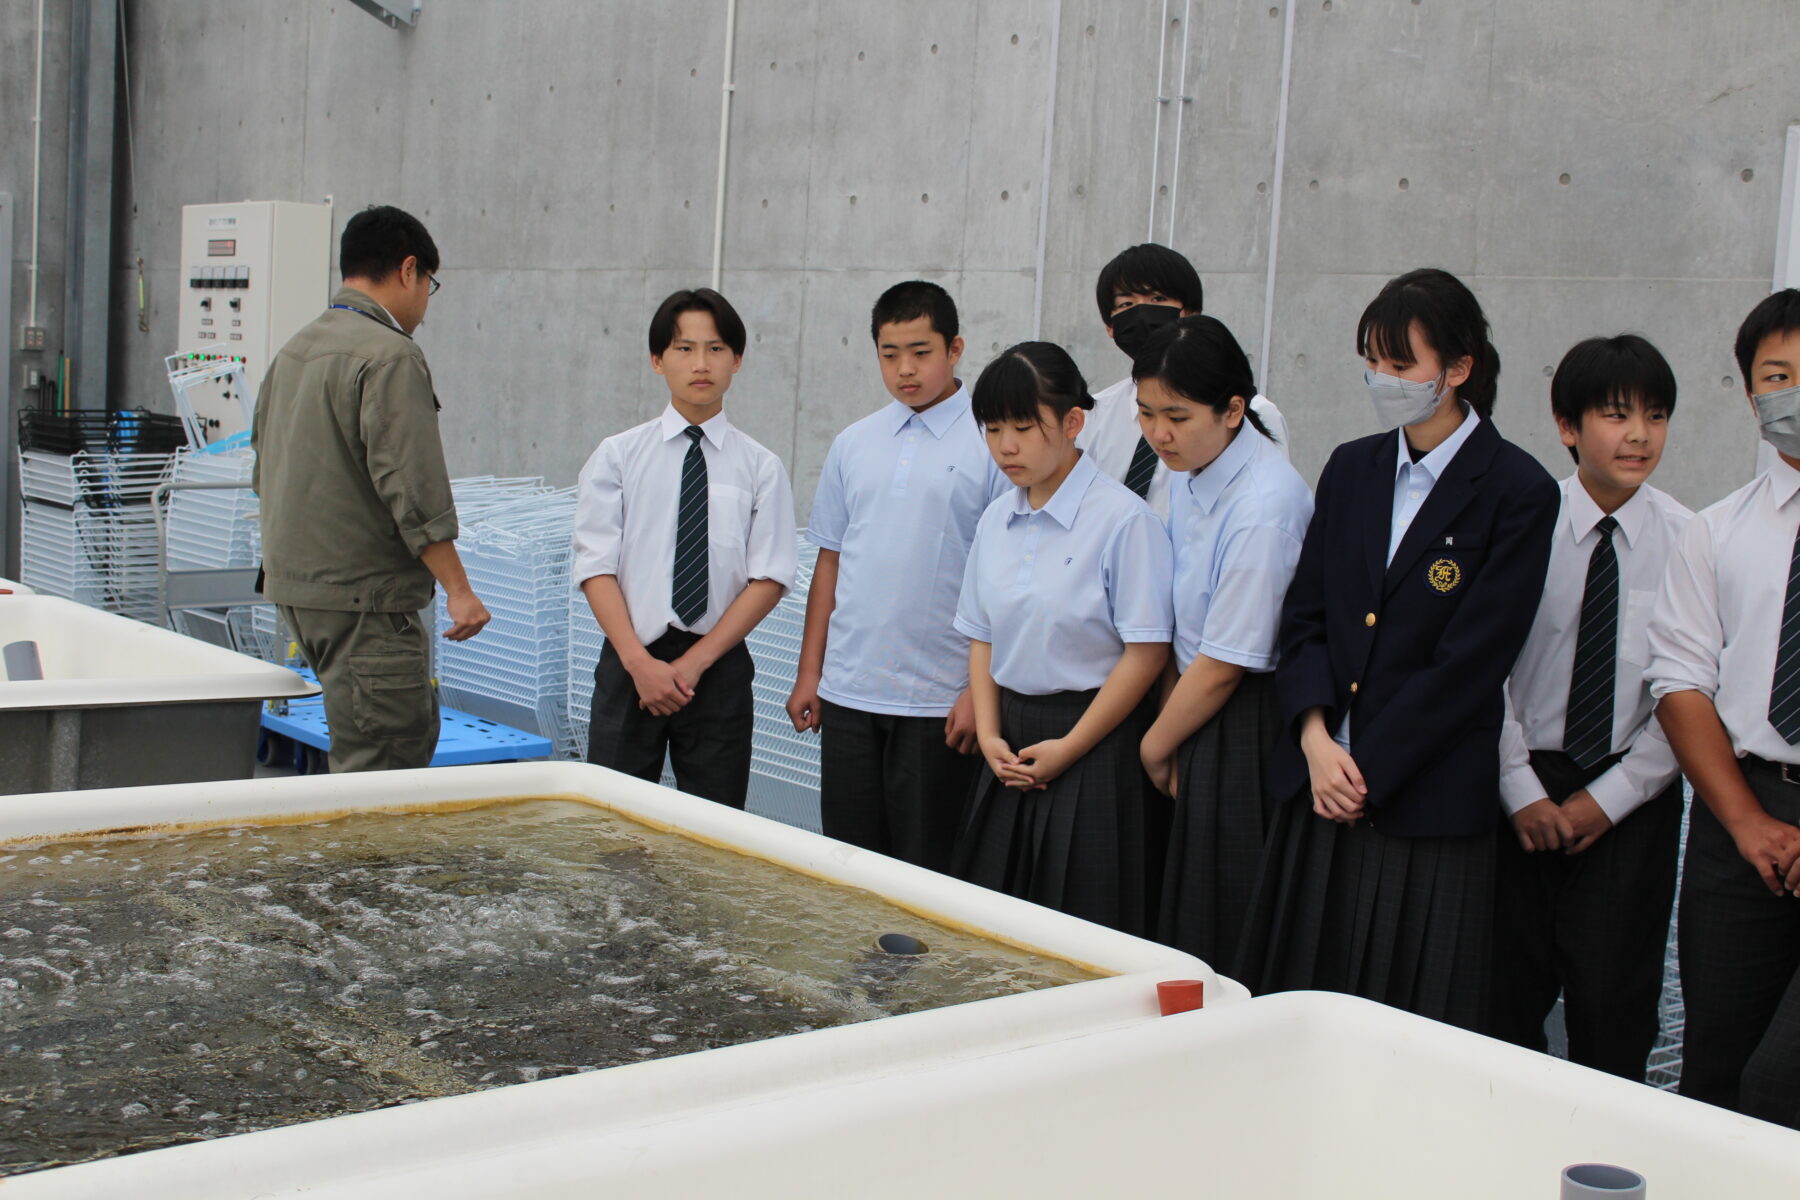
x=1139, y=291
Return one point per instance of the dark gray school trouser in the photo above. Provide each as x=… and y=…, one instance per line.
x=375, y=668
x=892, y=785
x=707, y=741
x=1591, y=926
x=1740, y=966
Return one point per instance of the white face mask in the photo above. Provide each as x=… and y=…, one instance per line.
x=1779, y=415
x=1401, y=401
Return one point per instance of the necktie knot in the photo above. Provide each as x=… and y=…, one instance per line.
x=694, y=433
x=1606, y=525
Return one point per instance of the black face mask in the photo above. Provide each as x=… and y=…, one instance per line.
x=1132, y=328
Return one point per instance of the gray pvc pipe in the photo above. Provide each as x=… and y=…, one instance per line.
x=1587, y=1181
x=22, y=661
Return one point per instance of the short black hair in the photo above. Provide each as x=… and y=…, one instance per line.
x=378, y=240
x=668, y=316
x=1199, y=360
x=1605, y=373
x=1148, y=268
x=1025, y=377
x=1451, y=321
x=911, y=300
x=1776, y=314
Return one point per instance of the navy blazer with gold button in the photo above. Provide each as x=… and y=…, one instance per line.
x=1416, y=652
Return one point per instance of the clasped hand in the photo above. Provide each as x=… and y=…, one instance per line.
x=1032, y=768
x=664, y=688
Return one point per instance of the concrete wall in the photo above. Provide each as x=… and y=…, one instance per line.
x=1586, y=168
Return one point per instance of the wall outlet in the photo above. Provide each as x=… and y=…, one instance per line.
x=33, y=337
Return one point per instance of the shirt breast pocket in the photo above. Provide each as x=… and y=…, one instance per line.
x=728, y=514
x=1634, y=631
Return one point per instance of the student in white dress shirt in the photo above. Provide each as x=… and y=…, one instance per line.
x=1066, y=602
x=1725, y=668
x=1238, y=513
x=1583, y=889
x=883, y=675
x=1140, y=289
x=684, y=540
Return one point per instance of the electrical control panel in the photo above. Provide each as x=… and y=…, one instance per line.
x=252, y=274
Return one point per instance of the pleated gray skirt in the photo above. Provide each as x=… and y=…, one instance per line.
x=1081, y=845
x=1220, y=823
x=1347, y=908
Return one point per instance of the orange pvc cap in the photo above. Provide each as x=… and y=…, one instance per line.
x=1180, y=995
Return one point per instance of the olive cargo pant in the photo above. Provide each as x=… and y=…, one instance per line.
x=375, y=668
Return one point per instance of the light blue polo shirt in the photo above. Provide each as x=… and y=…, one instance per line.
x=1236, y=526
x=1059, y=591
x=898, y=500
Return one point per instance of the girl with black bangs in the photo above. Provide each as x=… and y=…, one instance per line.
x=1417, y=583
x=1237, y=516
x=1066, y=601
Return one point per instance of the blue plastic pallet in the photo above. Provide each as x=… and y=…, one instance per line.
x=463, y=739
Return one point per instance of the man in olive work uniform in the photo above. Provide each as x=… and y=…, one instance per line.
x=357, y=516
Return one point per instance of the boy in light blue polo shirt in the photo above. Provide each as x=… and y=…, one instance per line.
x=883, y=674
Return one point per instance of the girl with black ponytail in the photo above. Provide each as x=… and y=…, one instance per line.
x=1416, y=586
x=1066, y=604
x=1237, y=514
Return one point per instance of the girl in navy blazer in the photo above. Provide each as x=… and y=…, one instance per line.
x=1417, y=583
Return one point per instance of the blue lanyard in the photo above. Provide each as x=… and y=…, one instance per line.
x=359, y=312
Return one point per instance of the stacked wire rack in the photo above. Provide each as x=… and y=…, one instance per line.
x=514, y=546
x=784, y=765
x=86, y=529
x=210, y=529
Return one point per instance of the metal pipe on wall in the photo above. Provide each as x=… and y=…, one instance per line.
x=37, y=174
x=1043, y=233
x=1281, y=116
x=725, y=89
x=1162, y=52
x=1181, y=93
x=87, y=290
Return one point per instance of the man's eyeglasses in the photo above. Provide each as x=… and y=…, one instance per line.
x=435, y=285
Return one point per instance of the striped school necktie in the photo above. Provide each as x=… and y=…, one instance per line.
x=1142, y=469
x=1784, y=696
x=688, y=594
x=1588, y=726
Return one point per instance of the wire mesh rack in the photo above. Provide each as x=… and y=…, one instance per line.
x=86, y=530
x=514, y=546
x=208, y=530
x=784, y=765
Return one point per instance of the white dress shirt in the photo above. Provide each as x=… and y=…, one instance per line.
x=625, y=511
x=898, y=501
x=1717, y=623
x=1112, y=432
x=1650, y=523
x=1058, y=591
x=1236, y=525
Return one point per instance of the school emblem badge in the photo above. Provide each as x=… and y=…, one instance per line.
x=1443, y=575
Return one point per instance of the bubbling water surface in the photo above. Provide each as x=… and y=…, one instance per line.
x=192, y=985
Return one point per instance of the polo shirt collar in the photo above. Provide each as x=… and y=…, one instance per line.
x=1066, y=502
x=939, y=418
x=1209, y=483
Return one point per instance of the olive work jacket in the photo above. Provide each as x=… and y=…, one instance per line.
x=349, y=466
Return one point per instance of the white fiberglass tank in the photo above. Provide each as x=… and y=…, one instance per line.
x=283, y=886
